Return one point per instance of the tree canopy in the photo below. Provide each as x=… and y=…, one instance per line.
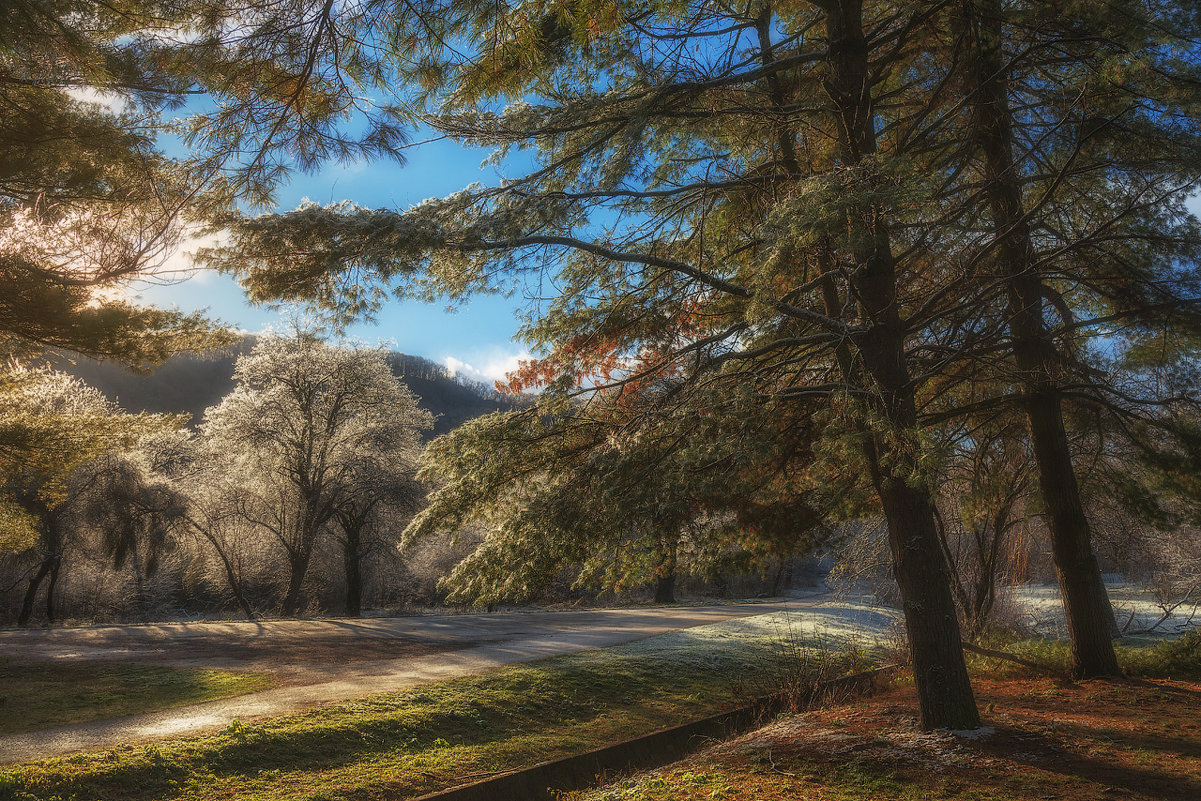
x=242, y=94
x=892, y=214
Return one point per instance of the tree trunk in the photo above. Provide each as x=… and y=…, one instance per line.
x=1086, y=602
x=665, y=589
x=783, y=577
x=51, y=583
x=235, y=586
x=293, y=600
x=1086, y=606
x=944, y=692
x=945, y=696
x=139, y=580
x=31, y=591
x=231, y=575
x=354, y=571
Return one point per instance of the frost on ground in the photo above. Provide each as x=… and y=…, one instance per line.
x=1137, y=610
x=834, y=626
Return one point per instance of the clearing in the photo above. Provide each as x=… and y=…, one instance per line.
x=438, y=735
x=311, y=661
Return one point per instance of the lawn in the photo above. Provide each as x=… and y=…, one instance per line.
x=439, y=735
x=39, y=695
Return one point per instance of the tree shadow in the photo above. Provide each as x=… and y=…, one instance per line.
x=1047, y=754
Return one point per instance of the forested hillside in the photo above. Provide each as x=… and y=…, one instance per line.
x=190, y=383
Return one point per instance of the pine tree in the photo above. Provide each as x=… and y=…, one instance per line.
x=805, y=202
x=89, y=202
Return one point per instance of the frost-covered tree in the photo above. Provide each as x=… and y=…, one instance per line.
x=52, y=426
x=381, y=496
x=309, y=430
x=588, y=489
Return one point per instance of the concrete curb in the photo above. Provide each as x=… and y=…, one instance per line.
x=658, y=748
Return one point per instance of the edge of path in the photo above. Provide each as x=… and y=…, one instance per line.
x=362, y=679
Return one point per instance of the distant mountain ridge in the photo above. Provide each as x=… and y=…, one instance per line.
x=191, y=382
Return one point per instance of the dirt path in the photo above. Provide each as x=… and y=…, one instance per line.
x=323, y=661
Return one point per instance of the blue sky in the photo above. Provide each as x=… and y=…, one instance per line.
x=475, y=339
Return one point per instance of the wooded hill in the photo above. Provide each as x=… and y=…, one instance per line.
x=191, y=382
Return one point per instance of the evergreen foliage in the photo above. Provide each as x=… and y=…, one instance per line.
x=881, y=215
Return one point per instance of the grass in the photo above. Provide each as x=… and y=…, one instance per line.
x=437, y=735
x=1147, y=658
x=39, y=695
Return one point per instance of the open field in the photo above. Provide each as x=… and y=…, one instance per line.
x=449, y=732
x=1039, y=609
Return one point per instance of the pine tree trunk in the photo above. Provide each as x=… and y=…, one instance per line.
x=945, y=696
x=944, y=692
x=1086, y=606
x=1086, y=602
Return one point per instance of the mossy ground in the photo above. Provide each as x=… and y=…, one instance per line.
x=39, y=695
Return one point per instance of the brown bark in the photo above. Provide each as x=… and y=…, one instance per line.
x=52, y=582
x=945, y=696
x=298, y=564
x=1086, y=602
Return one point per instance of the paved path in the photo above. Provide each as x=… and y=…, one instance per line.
x=322, y=661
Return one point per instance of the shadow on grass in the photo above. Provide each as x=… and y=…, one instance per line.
x=1047, y=754
x=39, y=695
x=426, y=736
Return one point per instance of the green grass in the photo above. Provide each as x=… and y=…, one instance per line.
x=438, y=735
x=1147, y=658
x=39, y=695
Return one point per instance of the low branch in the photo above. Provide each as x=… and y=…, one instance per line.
x=989, y=652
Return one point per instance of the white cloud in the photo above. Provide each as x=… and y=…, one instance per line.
x=113, y=102
x=180, y=265
x=493, y=364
